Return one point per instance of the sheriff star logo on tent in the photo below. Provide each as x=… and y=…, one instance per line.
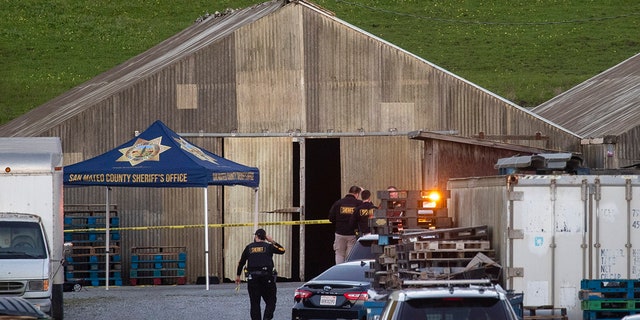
x=143, y=150
x=184, y=145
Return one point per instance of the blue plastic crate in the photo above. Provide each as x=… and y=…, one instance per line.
x=374, y=308
x=603, y=285
x=609, y=289
x=516, y=300
x=605, y=315
x=383, y=240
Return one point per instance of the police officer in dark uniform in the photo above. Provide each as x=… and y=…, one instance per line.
x=340, y=215
x=362, y=214
x=261, y=277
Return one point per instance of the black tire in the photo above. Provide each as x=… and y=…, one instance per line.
x=19, y=308
x=57, y=303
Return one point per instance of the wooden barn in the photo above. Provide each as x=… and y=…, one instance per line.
x=605, y=112
x=315, y=103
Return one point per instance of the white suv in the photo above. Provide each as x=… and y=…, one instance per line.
x=449, y=300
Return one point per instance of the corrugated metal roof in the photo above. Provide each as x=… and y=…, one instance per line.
x=446, y=72
x=196, y=37
x=545, y=161
x=607, y=104
x=205, y=31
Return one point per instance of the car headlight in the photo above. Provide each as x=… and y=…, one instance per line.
x=38, y=285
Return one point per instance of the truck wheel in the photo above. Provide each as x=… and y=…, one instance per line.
x=57, y=303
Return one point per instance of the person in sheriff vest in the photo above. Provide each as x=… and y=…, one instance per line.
x=362, y=214
x=340, y=216
x=261, y=276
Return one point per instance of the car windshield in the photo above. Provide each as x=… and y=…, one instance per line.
x=454, y=308
x=345, y=272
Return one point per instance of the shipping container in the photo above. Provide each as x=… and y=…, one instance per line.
x=552, y=231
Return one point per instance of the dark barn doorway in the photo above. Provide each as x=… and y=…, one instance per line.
x=322, y=186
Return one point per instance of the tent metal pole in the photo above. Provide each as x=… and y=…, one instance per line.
x=206, y=237
x=106, y=239
x=255, y=209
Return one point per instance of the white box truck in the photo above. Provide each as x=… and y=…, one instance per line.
x=552, y=231
x=31, y=222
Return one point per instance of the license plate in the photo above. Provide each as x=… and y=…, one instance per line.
x=327, y=300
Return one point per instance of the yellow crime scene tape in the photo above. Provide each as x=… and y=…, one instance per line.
x=214, y=225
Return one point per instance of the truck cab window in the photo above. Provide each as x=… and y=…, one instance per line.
x=21, y=240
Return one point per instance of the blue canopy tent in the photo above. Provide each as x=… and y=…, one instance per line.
x=160, y=158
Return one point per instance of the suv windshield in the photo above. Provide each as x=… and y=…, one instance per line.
x=453, y=308
x=362, y=249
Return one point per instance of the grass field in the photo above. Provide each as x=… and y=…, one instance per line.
x=524, y=50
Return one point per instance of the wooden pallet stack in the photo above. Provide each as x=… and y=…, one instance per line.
x=406, y=210
x=158, y=265
x=451, y=253
x=608, y=299
x=86, y=259
x=430, y=247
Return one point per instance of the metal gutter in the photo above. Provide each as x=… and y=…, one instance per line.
x=294, y=134
x=329, y=134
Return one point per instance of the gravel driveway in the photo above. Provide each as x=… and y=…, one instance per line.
x=186, y=302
